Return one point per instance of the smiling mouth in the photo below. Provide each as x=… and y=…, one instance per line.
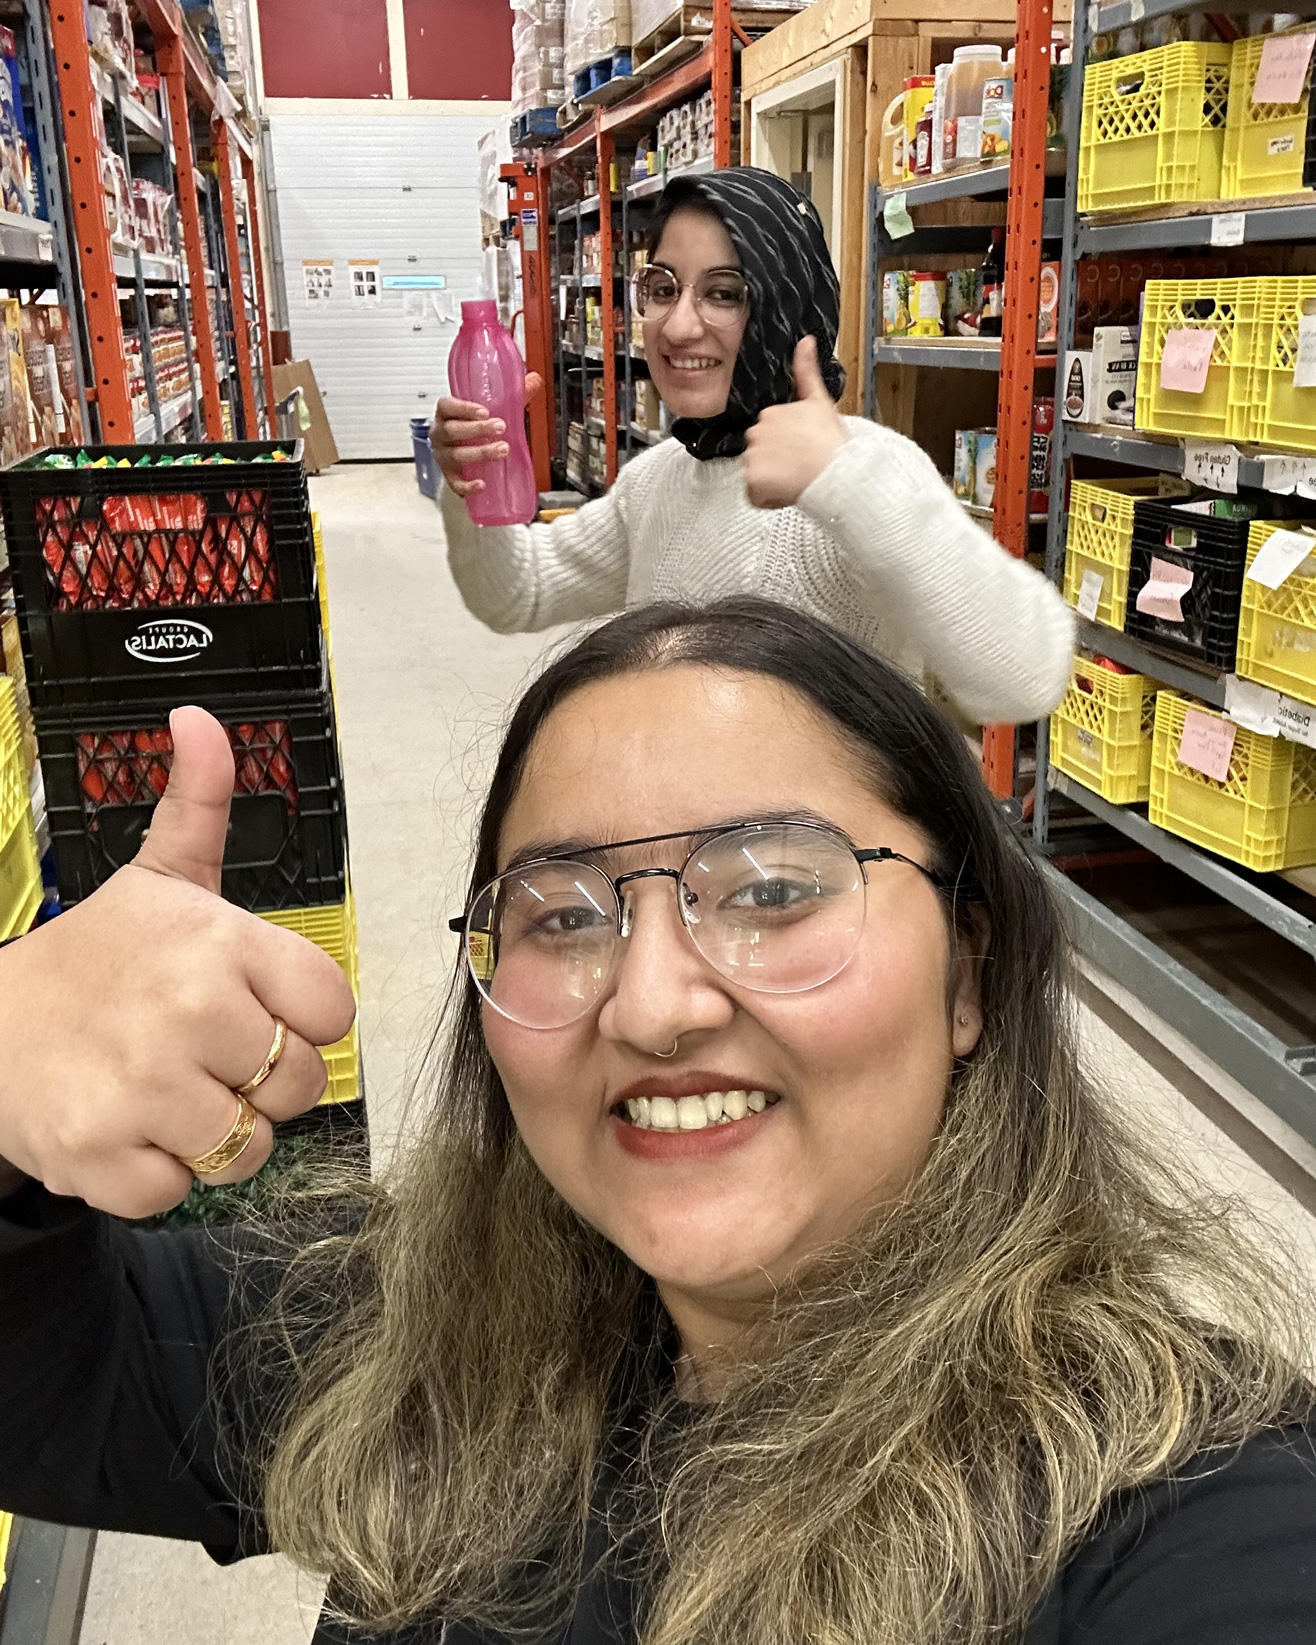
x=696, y=1113
x=693, y=363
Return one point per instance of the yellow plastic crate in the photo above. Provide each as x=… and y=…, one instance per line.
x=1100, y=539
x=20, y=869
x=333, y=928
x=1264, y=142
x=322, y=584
x=1263, y=815
x=1277, y=626
x=1277, y=413
x=1101, y=734
x=6, y=1530
x=1230, y=309
x=1153, y=127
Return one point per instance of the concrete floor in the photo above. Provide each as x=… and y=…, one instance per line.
x=422, y=690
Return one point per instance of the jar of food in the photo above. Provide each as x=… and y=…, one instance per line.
x=918, y=101
x=961, y=135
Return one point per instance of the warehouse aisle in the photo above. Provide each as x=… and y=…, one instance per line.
x=422, y=687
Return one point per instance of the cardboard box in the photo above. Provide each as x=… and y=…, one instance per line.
x=15, y=406
x=1115, y=374
x=72, y=429
x=42, y=375
x=321, y=452
x=1076, y=386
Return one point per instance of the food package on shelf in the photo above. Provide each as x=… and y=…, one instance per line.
x=120, y=210
x=17, y=178
x=16, y=438
x=594, y=29
x=42, y=374
x=110, y=36
x=151, y=206
x=69, y=414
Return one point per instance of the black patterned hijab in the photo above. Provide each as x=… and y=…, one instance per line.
x=793, y=293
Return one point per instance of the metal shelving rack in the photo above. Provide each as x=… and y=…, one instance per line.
x=1280, y=1075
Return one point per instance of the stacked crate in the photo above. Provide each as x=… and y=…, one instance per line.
x=144, y=585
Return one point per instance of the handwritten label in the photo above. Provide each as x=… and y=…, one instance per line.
x=1284, y=475
x=1282, y=70
x=1227, y=228
x=1207, y=744
x=1281, y=145
x=1304, y=366
x=1212, y=466
x=1162, y=594
x=1279, y=557
x=1089, y=594
x=1252, y=706
x=895, y=216
x=1186, y=359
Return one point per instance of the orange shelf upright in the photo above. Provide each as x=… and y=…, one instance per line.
x=1023, y=263
x=237, y=298
x=258, y=273
x=91, y=229
x=525, y=206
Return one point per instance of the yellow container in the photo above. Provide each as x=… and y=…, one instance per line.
x=6, y=1529
x=20, y=869
x=1101, y=735
x=1277, y=413
x=1263, y=815
x=1101, y=538
x=1230, y=308
x=1153, y=127
x=333, y=928
x=1277, y=626
x=1264, y=142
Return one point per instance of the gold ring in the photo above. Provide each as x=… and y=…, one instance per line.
x=232, y=1147
x=271, y=1062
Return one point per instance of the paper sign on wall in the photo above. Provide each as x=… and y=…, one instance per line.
x=1304, y=364
x=1089, y=594
x=365, y=280
x=1207, y=744
x=317, y=280
x=1279, y=557
x=1282, y=70
x=415, y=305
x=1162, y=594
x=1186, y=359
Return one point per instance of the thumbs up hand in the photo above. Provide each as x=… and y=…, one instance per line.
x=789, y=446
x=128, y=1022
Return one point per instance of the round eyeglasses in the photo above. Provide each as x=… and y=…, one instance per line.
x=721, y=296
x=776, y=907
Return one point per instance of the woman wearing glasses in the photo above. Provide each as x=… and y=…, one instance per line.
x=764, y=488
x=769, y=1269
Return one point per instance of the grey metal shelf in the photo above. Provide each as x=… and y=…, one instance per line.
x=960, y=185
x=25, y=239
x=591, y=282
x=959, y=354
x=647, y=187
x=1236, y=886
x=1280, y=1075
x=156, y=271
x=1206, y=684
x=588, y=207
x=1260, y=225
x=135, y=115
x=648, y=436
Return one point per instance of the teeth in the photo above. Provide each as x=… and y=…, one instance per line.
x=696, y=1113
x=693, y=365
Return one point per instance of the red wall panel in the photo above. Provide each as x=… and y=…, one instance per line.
x=459, y=48
x=327, y=48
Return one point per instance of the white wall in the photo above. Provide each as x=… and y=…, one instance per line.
x=397, y=182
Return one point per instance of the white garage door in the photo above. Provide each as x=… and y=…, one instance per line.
x=397, y=191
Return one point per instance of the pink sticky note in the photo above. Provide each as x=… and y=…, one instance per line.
x=1282, y=71
x=1185, y=359
x=1162, y=594
x=1207, y=744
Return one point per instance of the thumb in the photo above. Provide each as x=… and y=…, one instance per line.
x=808, y=374
x=534, y=384
x=190, y=824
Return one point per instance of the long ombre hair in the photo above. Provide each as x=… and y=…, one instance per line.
x=926, y=1421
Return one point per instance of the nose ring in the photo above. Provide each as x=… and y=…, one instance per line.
x=665, y=1054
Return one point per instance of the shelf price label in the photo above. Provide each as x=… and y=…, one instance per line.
x=1213, y=466
x=1227, y=228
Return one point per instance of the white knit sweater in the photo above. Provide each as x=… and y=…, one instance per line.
x=877, y=546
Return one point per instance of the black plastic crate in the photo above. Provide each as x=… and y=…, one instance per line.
x=1215, y=551
x=187, y=582
x=287, y=844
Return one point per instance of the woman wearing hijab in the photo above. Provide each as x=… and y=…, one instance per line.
x=765, y=488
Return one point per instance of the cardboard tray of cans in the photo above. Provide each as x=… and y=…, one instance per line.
x=163, y=582
x=105, y=770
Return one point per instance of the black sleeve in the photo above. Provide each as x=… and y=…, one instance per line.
x=1225, y=1555
x=105, y=1354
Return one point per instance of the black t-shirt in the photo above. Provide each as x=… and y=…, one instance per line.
x=106, y=1421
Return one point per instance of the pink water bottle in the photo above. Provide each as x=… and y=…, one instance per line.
x=485, y=366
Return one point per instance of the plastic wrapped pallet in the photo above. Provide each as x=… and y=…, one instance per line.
x=537, y=75
x=595, y=29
